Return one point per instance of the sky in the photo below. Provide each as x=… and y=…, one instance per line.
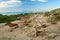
x=28, y=5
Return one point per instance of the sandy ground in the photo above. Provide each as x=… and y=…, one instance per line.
x=51, y=32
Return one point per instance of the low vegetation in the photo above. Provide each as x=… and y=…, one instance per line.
x=5, y=18
x=54, y=15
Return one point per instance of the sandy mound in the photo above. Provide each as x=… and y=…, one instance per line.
x=34, y=27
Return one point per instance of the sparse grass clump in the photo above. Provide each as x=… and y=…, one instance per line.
x=53, y=15
x=46, y=14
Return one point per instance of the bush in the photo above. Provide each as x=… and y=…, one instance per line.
x=5, y=18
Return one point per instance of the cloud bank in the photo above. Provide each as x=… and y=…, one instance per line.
x=10, y=3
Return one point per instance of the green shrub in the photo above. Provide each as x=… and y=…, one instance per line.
x=5, y=18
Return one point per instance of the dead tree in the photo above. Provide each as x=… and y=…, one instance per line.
x=38, y=24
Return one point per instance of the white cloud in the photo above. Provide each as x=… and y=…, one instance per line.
x=10, y=3
x=42, y=0
x=15, y=1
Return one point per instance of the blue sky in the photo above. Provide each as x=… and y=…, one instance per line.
x=28, y=5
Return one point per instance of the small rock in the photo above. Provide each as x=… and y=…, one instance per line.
x=52, y=35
